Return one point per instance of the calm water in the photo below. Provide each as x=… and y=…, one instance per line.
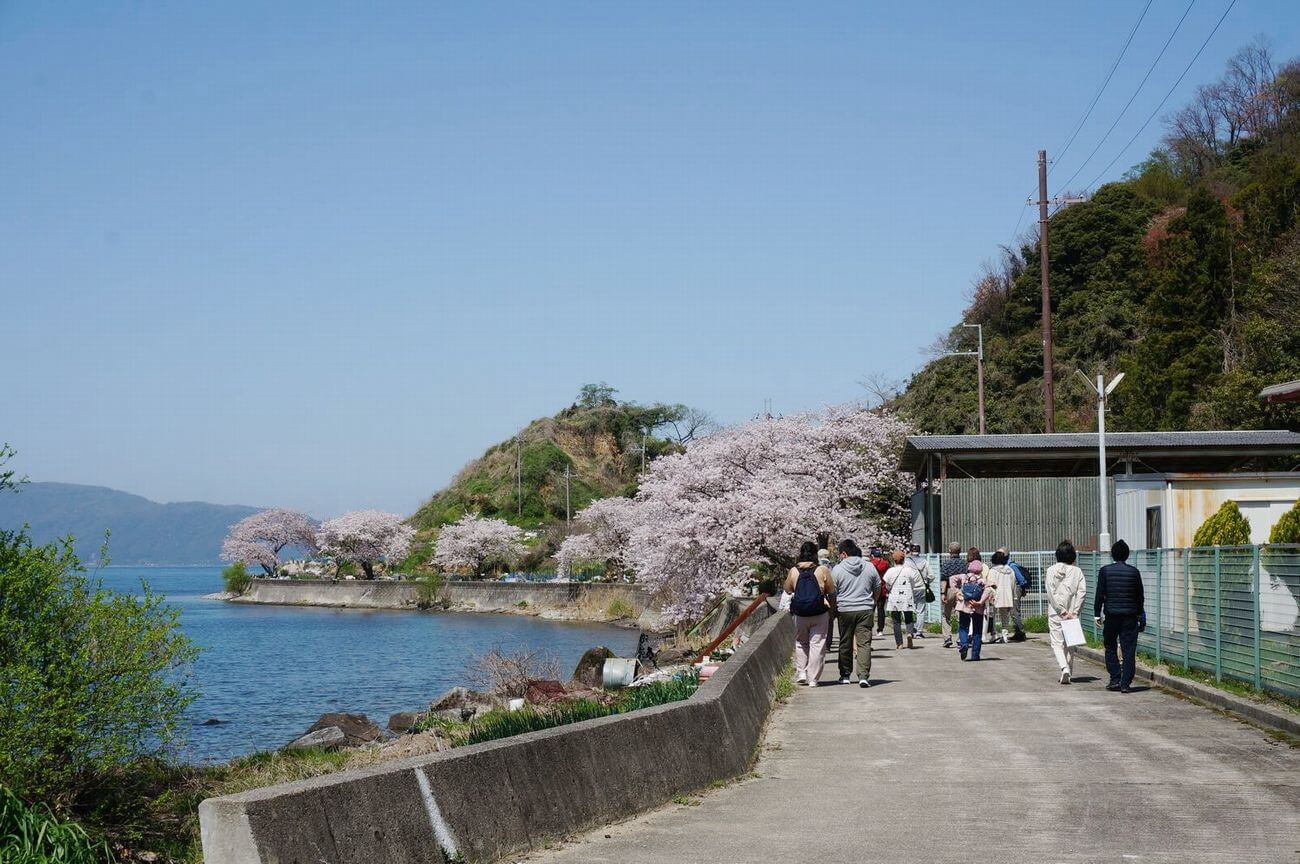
x=269, y=671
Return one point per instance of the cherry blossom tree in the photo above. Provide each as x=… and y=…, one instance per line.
x=259, y=539
x=748, y=496
x=602, y=535
x=366, y=537
x=475, y=543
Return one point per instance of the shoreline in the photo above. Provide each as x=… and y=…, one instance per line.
x=622, y=605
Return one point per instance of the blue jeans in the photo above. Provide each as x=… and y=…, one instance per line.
x=972, y=632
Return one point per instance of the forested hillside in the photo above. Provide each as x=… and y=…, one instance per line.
x=140, y=531
x=1185, y=275
x=598, y=438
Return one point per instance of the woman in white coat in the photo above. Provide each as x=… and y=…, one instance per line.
x=1002, y=579
x=1066, y=589
x=902, y=582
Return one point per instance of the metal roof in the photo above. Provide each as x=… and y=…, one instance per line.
x=1288, y=392
x=1075, y=453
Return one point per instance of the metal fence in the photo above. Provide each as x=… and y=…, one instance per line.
x=1230, y=611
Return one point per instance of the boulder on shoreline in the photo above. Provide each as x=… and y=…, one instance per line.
x=328, y=738
x=405, y=721
x=590, y=671
x=356, y=728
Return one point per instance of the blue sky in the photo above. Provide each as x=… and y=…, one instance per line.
x=318, y=255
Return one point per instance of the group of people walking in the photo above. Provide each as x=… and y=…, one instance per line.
x=854, y=593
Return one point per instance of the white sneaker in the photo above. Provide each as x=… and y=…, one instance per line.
x=801, y=680
x=845, y=680
x=1065, y=676
x=812, y=683
x=1004, y=637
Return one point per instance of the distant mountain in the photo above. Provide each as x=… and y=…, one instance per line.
x=141, y=531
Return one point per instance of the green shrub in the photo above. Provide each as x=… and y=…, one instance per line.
x=500, y=723
x=1035, y=624
x=428, y=591
x=89, y=679
x=1227, y=527
x=620, y=608
x=1287, y=529
x=32, y=834
x=236, y=578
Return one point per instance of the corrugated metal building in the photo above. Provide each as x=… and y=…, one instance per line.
x=1032, y=491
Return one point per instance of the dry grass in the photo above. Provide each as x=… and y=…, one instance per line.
x=507, y=674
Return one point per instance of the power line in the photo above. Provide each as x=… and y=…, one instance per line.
x=1091, y=105
x=1088, y=113
x=1167, y=95
x=1129, y=103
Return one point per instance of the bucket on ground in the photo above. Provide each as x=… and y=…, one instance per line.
x=617, y=673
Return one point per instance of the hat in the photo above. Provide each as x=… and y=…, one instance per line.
x=975, y=566
x=823, y=553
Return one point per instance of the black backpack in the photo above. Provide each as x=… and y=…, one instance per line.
x=808, y=599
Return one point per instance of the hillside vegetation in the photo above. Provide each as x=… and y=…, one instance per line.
x=598, y=438
x=1185, y=275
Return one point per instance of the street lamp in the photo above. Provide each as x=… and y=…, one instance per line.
x=1102, y=390
x=979, y=362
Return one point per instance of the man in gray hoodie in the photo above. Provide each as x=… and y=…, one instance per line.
x=856, y=584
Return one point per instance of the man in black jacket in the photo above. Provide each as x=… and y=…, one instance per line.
x=1120, y=600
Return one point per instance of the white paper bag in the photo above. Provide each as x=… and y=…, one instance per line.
x=1072, y=629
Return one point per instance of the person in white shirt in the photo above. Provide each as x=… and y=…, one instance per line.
x=1066, y=589
x=901, y=583
x=917, y=562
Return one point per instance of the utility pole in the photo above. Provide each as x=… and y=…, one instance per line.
x=519, y=473
x=979, y=362
x=1049, y=391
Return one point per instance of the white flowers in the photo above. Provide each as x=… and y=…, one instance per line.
x=259, y=538
x=748, y=494
x=366, y=537
x=474, y=543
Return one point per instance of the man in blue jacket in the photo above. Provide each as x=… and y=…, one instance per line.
x=1120, y=605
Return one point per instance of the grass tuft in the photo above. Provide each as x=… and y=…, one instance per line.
x=32, y=834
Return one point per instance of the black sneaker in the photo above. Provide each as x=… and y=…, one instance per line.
x=947, y=643
x=1126, y=689
x=1019, y=636
x=1112, y=686
x=962, y=652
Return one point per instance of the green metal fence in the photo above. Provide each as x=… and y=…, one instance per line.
x=1230, y=611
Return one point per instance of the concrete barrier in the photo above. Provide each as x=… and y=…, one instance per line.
x=583, y=601
x=482, y=802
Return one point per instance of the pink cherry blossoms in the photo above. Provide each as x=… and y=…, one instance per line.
x=475, y=543
x=259, y=539
x=366, y=537
x=749, y=495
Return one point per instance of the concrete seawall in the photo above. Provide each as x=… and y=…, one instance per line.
x=579, y=601
x=482, y=802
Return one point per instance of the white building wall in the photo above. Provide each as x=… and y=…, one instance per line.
x=1187, y=500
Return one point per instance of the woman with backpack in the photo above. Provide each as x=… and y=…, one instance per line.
x=1002, y=579
x=973, y=596
x=1066, y=589
x=812, y=599
x=903, y=584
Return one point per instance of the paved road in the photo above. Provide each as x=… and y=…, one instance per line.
x=982, y=763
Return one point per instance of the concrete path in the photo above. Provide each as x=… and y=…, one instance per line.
x=982, y=763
